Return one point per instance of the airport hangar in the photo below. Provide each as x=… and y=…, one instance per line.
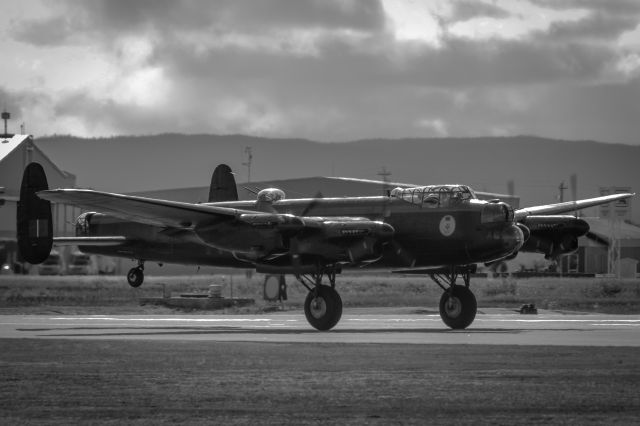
x=16, y=151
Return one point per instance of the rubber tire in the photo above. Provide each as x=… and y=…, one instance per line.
x=327, y=318
x=466, y=308
x=135, y=277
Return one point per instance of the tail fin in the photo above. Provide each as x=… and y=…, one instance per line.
x=34, y=223
x=223, y=185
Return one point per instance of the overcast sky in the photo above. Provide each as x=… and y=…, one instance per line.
x=325, y=70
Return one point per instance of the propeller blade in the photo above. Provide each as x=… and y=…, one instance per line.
x=574, y=189
x=294, y=249
x=406, y=257
x=314, y=202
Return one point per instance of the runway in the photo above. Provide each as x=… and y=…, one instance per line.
x=407, y=326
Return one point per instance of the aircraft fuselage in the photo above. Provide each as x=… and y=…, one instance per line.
x=469, y=231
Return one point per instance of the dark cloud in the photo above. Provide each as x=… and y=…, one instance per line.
x=49, y=32
x=467, y=63
x=596, y=26
x=341, y=71
x=356, y=15
x=162, y=16
x=612, y=7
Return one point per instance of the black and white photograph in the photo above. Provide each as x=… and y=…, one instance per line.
x=311, y=212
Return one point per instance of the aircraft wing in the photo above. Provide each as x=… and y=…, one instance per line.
x=228, y=228
x=174, y=214
x=143, y=210
x=89, y=241
x=569, y=206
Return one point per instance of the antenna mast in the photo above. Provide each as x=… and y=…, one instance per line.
x=247, y=151
x=384, y=173
x=561, y=188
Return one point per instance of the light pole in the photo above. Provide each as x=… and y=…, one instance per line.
x=5, y=116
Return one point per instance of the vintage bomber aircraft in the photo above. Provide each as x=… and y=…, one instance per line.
x=439, y=230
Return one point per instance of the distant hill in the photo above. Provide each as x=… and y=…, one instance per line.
x=536, y=165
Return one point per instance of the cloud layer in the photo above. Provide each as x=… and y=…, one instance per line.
x=326, y=70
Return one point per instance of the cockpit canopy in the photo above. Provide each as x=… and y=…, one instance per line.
x=435, y=195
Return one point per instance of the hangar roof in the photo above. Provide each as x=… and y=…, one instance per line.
x=13, y=142
x=601, y=228
x=7, y=145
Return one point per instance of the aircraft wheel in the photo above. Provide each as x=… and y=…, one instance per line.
x=458, y=308
x=135, y=277
x=324, y=311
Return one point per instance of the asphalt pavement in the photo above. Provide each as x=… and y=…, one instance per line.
x=396, y=326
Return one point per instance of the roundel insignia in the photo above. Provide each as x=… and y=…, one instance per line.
x=447, y=225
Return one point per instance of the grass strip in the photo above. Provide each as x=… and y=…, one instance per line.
x=115, y=382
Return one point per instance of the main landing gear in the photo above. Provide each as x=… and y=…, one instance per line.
x=323, y=305
x=458, y=305
x=135, y=276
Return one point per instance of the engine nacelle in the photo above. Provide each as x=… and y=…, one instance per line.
x=92, y=224
x=552, y=248
x=364, y=251
x=554, y=236
x=354, y=251
x=83, y=224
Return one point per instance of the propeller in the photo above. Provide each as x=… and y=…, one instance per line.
x=312, y=204
x=405, y=256
x=574, y=190
x=254, y=190
x=294, y=249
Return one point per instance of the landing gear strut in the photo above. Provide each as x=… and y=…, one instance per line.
x=323, y=305
x=135, y=277
x=458, y=305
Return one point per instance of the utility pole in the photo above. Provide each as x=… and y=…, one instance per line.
x=561, y=188
x=247, y=151
x=613, y=254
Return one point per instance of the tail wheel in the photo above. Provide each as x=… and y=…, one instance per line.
x=323, y=308
x=135, y=277
x=458, y=307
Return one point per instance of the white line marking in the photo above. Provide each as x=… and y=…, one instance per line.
x=168, y=319
x=559, y=320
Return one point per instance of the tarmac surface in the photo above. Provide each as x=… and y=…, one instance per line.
x=384, y=325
